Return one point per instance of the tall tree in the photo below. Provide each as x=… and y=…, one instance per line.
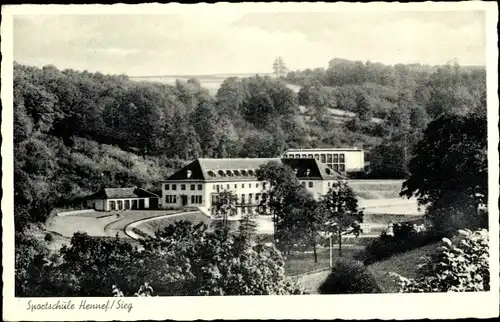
x=289, y=204
x=225, y=207
x=341, y=213
x=279, y=67
x=449, y=170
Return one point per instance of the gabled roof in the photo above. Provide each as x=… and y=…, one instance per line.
x=122, y=193
x=316, y=169
x=235, y=169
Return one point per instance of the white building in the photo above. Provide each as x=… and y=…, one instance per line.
x=342, y=160
x=198, y=183
x=109, y=199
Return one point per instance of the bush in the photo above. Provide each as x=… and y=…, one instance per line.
x=49, y=237
x=349, y=277
x=403, y=240
x=460, y=266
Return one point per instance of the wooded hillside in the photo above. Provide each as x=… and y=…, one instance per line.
x=75, y=132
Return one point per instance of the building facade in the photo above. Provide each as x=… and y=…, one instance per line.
x=342, y=160
x=109, y=199
x=199, y=183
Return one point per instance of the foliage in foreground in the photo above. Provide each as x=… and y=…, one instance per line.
x=349, y=277
x=405, y=238
x=182, y=260
x=460, y=266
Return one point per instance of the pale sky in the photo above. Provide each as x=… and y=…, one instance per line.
x=246, y=42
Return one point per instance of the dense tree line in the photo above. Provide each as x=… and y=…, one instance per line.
x=75, y=132
x=183, y=259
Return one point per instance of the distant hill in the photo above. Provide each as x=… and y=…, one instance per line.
x=212, y=82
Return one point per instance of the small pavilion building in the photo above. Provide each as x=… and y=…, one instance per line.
x=110, y=199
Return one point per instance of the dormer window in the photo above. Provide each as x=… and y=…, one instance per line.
x=244, y=173
x=189, y=173
x=221, y=173
x=229, y=173
x=250, y=172
x=211, y=173
x=236, y=172
x=308, y=172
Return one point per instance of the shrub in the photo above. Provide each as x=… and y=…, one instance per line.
x=48, y=238
x=404, y=239
x=349, y=277
x=460, y=266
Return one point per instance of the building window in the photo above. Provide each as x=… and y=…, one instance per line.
x=235, y=186
x=250, y=197
x=242, y=199
x=342, y=158
x=256, y=185
x=192, y=199
x=249, y=185
x=183, y=187
x=171, y=199
x=297, y=156
x=311, y=184
x=167, y=186
x=329, y=158
x=342, y=167
x=323, y=158
x=335, y=158
x=310, y=156
x=174, y=187
x=200, y=187
x=257, y=197
x=303, y=183
x=192, y=187
x=112, y=205
x=316, y=156
x=264, y=185
x=291, y=156
x=304, y=156
x=329, y=184
x=228, y=187
x=243, y=185
x=127, y=204
x=200, y=200
x=336, y=167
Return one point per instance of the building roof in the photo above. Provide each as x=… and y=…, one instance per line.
x=122, y=193
x=246, y=169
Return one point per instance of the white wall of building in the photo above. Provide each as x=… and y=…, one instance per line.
x=250, y=189
x=354, y=159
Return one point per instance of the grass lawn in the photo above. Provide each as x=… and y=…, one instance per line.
x=151, y=227
x=97, y=223
x=301, y=263
x=404, y=264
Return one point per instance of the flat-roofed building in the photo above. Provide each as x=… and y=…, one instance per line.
x=199, y=183
x=342, y=160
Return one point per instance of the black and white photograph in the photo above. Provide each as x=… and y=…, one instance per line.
x=212, y=152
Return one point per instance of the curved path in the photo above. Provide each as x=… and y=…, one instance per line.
x=129, y=228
